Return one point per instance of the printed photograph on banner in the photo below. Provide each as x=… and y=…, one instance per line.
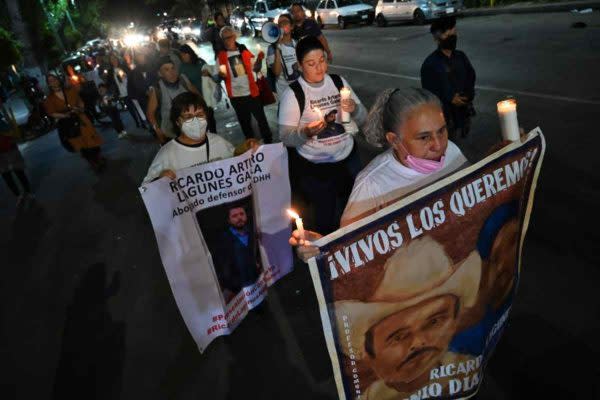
x=231, y=237
x=418, y=298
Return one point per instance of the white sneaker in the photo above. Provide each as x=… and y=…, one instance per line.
x=122, y=135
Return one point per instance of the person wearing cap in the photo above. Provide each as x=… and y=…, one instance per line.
x=281, y=55
x=410, y=122
x=161, y=95
x=165, y=50
x=403, y=330
x=448, y=73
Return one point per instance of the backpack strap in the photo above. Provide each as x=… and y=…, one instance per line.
x=337, y=81
x=299, y=93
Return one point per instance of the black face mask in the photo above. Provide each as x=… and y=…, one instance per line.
x=449, y=43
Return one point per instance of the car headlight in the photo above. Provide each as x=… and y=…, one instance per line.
x=309, y=13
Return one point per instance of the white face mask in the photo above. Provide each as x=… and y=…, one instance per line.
x=195, y=128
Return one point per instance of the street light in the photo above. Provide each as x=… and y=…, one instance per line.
x=165, y=13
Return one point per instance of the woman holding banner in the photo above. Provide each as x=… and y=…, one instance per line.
x=411, y=122
x=194, y=143
x=324, y=158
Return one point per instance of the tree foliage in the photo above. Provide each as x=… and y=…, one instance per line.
x=11, y=52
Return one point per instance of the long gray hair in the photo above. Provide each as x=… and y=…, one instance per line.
x=390, y=110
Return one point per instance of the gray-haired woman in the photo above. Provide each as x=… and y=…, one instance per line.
x=411, y=123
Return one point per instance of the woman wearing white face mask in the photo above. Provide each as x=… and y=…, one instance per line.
x=411, y=123
x=193, y=145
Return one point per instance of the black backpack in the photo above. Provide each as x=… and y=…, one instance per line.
x=299, y=93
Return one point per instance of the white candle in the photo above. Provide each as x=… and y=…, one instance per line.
x=298, y=220
x=345, y=93
x=258, y=48
x=223, y=69
x=509, y=125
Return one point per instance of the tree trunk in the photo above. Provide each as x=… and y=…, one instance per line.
x=21, y=33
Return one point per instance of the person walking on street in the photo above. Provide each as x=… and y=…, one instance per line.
x=281, y=56
x=194, y=144
x=194, y=68
x=308, y=27
x=323, y=156
x=165, y=50
x=107, y=104
x=139, y=81
x=213, y=34
x=448, y=73
x=238, y=71
x=117, y=82
x=170, y=84
x=74, y=127
x=12, y=164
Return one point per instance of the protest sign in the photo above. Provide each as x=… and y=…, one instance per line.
x=414, y=298
x=222, y=234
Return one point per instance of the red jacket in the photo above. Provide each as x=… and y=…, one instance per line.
x=247, y=61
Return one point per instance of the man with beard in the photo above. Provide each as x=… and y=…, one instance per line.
x=404, y=329
x=448, y=73
x=236, y=257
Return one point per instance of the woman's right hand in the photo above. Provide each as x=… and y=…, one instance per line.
x=314, y=128
x=304, y=247
x=168, y=173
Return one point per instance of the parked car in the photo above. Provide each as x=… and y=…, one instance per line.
x=269, y=11
x=344, y=12
x=240, y=21
x=419, y=11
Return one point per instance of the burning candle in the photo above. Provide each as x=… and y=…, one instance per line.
x=223, y=69
x=345, y=93
x=121, y=74
x=318, y=110
x=509, y=125
x=298, y=220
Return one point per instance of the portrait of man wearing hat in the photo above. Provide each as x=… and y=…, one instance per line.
x=403, y=331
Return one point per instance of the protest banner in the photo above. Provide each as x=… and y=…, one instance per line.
x=222, y=234
x=414, y=298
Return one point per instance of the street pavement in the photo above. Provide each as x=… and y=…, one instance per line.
x=87, y=310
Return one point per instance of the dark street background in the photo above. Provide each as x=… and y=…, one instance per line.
x=87, y=311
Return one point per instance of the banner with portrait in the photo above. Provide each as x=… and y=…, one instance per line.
x=414, y=298
x=222, y=234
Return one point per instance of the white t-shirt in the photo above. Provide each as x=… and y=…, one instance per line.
x=175, y=156
x=289, y=71
x=385, y=180
x=122, y=85
x=335, y=142
x=239, y=78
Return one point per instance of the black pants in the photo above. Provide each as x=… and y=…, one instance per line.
x=12, y=184
x=326, y=187
x=133, y=111
x=115, y=118
x=247, y=106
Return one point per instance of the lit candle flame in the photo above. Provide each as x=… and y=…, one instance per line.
x=292, y=213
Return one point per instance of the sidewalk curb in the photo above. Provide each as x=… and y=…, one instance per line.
x=531, y=9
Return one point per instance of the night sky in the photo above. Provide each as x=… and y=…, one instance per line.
x=124, y=11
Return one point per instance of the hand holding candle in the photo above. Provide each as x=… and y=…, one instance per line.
x=223, y=70
x=509, y=125
x=260, y=55
x=346, y=95
x=299, y=224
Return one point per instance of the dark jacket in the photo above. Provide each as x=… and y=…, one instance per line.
x=236, y=264
x=139, y=81
x=447, y=76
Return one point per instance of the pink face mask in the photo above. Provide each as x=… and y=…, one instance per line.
x=423, y=165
